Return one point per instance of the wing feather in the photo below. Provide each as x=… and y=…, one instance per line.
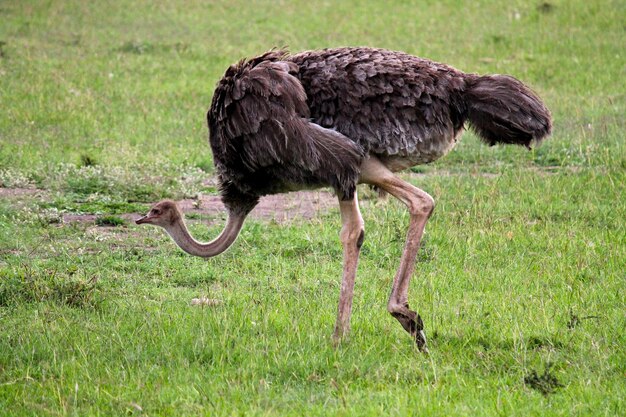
x=262, y=139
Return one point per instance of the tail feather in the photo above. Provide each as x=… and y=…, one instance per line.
x=501, y=109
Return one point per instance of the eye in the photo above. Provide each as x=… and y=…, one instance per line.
x=156, y=212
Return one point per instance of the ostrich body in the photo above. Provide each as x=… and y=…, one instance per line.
x=340, y=117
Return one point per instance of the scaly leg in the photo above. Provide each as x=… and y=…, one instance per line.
x=420, y=206
x=352, y=234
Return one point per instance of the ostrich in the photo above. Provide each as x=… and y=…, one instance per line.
x=340, y=117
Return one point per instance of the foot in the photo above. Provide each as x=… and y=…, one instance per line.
x=413, y=324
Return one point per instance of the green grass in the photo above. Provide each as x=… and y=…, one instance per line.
x=521, y=276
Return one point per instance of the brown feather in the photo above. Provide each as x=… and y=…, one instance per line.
x=281, y=122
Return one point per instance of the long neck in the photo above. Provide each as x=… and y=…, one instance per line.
x=179, y=232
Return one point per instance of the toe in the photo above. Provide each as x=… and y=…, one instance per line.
x=420, y=340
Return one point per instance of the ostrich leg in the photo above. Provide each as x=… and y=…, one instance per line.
x=420, y=206
x=352, y=234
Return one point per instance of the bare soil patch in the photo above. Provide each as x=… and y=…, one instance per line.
x=279, y=207
x=18, y=192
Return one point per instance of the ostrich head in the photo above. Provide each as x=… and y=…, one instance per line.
x=165, y=214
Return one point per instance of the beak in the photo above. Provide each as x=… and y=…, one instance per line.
x=141, y=220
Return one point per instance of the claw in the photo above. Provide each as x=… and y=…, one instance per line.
x=420, y=340
x=420, y=336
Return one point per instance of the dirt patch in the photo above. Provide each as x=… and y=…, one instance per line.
x=279, y=207
x=18, y=192
x=70, y=218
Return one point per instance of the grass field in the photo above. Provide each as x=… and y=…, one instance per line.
x=521, y=279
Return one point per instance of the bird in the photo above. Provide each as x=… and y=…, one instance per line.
x=339, y=117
